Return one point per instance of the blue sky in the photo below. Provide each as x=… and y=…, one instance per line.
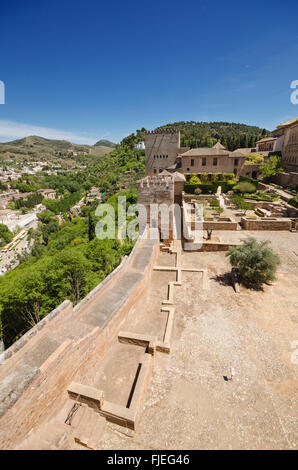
x=89, y=70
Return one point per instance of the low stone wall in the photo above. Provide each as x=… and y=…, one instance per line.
x=217, y=246
x=220, y=224
x=266, y=223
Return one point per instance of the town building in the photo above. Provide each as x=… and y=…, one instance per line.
x=48, y=193
x=140, y=146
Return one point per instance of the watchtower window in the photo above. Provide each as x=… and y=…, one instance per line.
x=203, y=161
x=236, y=161
x=192, y=162
x=154, y=170
x=214, y=161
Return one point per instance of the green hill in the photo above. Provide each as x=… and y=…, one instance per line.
x=205, y=134
x=105, y=143
x=35, y=148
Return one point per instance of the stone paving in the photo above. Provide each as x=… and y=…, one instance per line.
x=190, y=405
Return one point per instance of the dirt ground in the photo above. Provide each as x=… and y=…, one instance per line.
x=190, y=404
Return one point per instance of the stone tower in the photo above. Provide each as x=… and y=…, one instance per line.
x=161, y=149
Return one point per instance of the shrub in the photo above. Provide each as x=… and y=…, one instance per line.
x=204, y=178
x=254, y=159
x=228, y=176
x=262, y=196
x=245, y=187
x=194, y=179
x=214, y=203
x=255, y=261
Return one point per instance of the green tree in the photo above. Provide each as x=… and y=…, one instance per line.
x=91, y=227
x=256, y=262
x=245, y=187
x=5, y=235
x=272, y=167
x=241, y=204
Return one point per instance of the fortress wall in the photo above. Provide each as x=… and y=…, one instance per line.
x=164, y=147
x=70, y=348
x=63, y=308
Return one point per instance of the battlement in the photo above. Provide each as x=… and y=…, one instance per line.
x=157, y=181
x=162, y=131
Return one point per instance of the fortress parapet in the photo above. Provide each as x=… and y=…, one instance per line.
x=162, y=131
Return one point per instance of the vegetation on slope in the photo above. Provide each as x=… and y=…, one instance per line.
x=67, y=259
x=206, y=134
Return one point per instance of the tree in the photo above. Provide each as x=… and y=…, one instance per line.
x=91, y=227
x=194, y=179
x=255, y=261
x=244, y=187
x=5, y=235
x=241, y=204
x=254, y=159
x=272, y=167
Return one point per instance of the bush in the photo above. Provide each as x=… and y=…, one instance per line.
x=214, y=203
x=255, y=261
x=194, y=180
x=245, y=187
x=209, y=188
x=228, y=176
x=262, y=196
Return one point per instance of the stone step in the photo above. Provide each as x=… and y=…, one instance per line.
x=98, y=430
x=89, y=428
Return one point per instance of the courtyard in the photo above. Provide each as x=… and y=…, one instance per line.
x=190, y=404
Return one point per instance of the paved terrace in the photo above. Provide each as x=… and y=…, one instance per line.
x=188, y=404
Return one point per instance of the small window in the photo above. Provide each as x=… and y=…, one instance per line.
x=214, y=161
x=204, y=161
x=166, y=156
x=154, y=170
x=236, y=162
x=187, y=169
x=192, y=162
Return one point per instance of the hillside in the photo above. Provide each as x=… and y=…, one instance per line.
x=35, y=148
x=105, y=143
x=205, y=134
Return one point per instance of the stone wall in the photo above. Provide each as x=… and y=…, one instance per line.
x=63, y=349
x=289, y=180
x=156, y=190
x=161, y=150
x=218, y=224
x=265, y=223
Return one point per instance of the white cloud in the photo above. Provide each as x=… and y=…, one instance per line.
x=10, y=130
